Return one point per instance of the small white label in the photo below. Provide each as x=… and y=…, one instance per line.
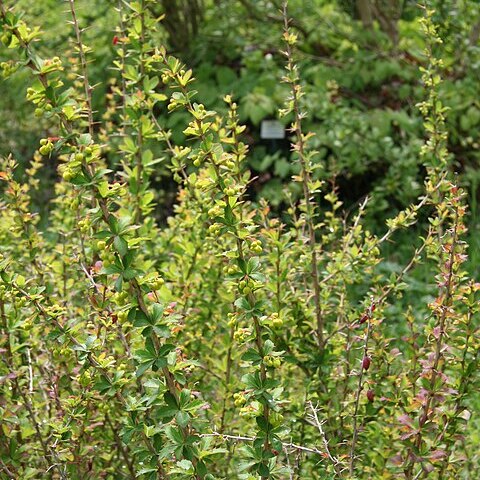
x=272, y=129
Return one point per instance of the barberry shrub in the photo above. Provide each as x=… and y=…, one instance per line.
x=230, y=342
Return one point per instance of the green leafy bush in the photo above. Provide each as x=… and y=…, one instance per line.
x=362, y=78
x=229, y=343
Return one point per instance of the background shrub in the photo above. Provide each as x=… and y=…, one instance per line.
x=167, y=314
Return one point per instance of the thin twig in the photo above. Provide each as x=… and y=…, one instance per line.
x=83, y=61
x=30, y=372
x=357, y=399
x=336, y=463
x=251, y=439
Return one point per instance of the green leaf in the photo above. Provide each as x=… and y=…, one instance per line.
x=140, y=319
x=157, y=312
x=113, y=222
x=142, y=368
x=121, y=245
x=130, y=273
x=111, y=269
x=182, y=418
x=184, y=398
x=185, y=465
x=268, y=347
x=102, y=384
x=118, y=284
x=251, y=355
x=263, y=470
x=252, y=380
x=166, y=412
x=170, y=400
x=166, y=349
x=253, y=265
x=242, y=303
x=263, y=424
x=103, y=188
x=174, y=434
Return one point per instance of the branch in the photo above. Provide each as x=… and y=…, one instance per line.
x=240, y=438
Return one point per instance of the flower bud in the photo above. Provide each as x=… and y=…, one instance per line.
x=366, y=362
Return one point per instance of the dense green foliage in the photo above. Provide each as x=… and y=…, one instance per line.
x=363, y=86
x=181, y=299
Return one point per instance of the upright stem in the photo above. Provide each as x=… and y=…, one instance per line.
x=139, y=159
x=357, y=401
x=122, y=70
x=83, y=62
x=227, y=379
x=260, y=346
x=300, y=148
x=446, y=304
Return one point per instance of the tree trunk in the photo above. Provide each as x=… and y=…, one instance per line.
x=364, y=9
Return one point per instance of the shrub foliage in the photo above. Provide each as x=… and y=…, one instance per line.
x=231, y=342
